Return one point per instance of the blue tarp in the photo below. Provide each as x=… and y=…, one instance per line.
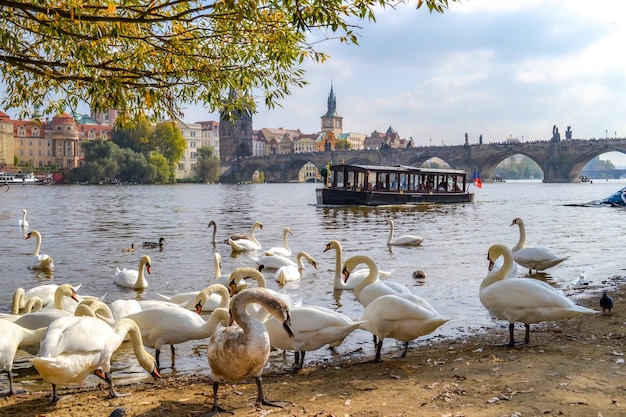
x=617, y=199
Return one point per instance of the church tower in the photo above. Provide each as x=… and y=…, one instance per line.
x=331, y=121
x=235, y=135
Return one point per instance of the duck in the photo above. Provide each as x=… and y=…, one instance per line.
x=171, y=326
x=394, y=316
x=13, y=337
x=40, y=261
x=528, y=301
x=355, y=276
x=131, y=278
x=23, y=222
x=533, y=257
x=74, y=347
x=154, y=245
x=131, y=249
x=281, y=250
x=370, y=288
x=290, y=273
x=404, y=240
x=239, y=352
x=242, y=245
x=313, y=328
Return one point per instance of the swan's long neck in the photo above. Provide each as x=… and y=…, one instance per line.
x=391, y=227
x=252, y=237
x=219, y=315
x=370, y=278
x=300, y=258
x=214, y=232
x=141, y=281
x=494, y=253
x=19, y=301
x=127, y=327
x=285, y=244
x=23, y=218
x=338, y=277
x=58, y=298
x=272, y=305
x=219, y=289
x=218, y=267
x=38, y=243
x=522, y=237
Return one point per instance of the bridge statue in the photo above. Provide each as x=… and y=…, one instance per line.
x=556, y=136
x=568, y=133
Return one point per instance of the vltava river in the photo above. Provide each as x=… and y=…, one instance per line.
x=84, y=229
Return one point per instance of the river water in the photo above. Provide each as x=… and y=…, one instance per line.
x=84, y=229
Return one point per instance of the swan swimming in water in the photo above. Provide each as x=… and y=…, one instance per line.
x=533, y=257
x=404, y=240
x=74, y=347
x=525, y=300
x=290, y=273
x=23, y=222
x=281, y=250
x=355, y=276
x=131, y=278
x=40, y=261
x=242, y=245
x=239, y=352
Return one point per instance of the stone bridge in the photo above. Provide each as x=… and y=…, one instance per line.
x=560, y=161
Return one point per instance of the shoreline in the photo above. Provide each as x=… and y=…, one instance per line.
x=572, y=367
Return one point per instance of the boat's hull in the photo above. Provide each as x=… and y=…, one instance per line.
x=342, y=197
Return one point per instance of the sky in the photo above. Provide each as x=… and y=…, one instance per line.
x=495, y=68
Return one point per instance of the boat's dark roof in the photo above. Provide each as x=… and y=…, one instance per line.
x=396, y=168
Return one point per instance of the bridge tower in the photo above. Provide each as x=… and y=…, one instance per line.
x=235, y=135
x=331, y=121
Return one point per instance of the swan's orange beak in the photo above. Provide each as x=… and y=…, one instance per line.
x=199, y=307
x=75, y=296
x=314, y=265
x=155, y=373
x=346, y=274
x=149, y=268
x=28, y=236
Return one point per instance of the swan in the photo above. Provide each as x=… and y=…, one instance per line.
x=44, y=317
x=290, y=273
x=399, y=318
x=537, y=258
x=131, y=278
x=45, y=293
x=355, y=276
x=153, y=245
x=281, y=250
x=404, y=240
x=73, y=347
x=171, y=326
x=238, y=352
x=528, y=301
x=13, y=337
x=241, y=245
x=131, y=249
x=313, y=327
x=274, y=262
x=234, y=236
x=23, y=222
x=189, y=300
x=370, y=288
x=40, y=261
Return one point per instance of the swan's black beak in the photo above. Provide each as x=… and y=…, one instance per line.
x=346, y=274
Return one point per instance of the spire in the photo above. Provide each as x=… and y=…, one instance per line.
x=332, y=104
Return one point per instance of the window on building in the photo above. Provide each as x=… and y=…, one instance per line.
x=192, y=144
x=193, y=167
x=30, y=152
x=21, y=152
x=181, y=167
x=69, y=164
x=194, y=155
x=40, y=164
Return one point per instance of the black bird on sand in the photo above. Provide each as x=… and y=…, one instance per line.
x=606, y=303
x=118, y=412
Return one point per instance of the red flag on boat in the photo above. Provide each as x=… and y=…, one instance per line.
x=476, y=178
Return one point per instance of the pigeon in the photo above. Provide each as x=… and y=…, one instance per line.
x=606, y=303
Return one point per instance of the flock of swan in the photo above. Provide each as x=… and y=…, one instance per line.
x=72, y=336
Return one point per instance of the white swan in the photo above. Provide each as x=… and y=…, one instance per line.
x=131, y=278
x=290, y=273
x=171, y=326
x=43, y=292
x=281, y=250
x=404, y=240
x=399, y=318
x=216, y=294
x=13, y=337
x=527, y=301
x=40, y=261
x=370, y=288
x=242, y=245
x=273, y=262
x=234, y=236
x=236, y=353
x=23, y=222
x=355, y=276
x=313, y=327
x=74, y=347
x=537, y=258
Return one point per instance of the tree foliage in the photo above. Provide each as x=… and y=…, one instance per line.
x=153, y=58
x=208, y=169
x=167, y=139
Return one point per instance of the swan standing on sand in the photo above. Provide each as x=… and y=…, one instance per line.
x=399, y=318
x=131, y=278
x=528, y=301
x=40, y=261
x=404, y=240
x=23, y=222
x=241, y=351
x=290, y=273
x=536, y=258
x=74, y=347
x=313, y=327
x=13, y=337
x=242, y=245
x=281, y=250
x=355, y=276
